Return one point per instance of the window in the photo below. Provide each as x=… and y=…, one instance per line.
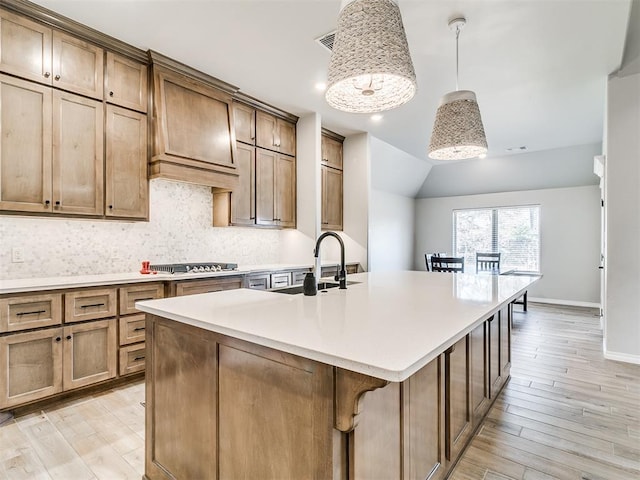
x=512, y=231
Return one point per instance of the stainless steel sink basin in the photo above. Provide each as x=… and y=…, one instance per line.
x=322, y=286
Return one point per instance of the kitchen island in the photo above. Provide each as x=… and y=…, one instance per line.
x=387, y=379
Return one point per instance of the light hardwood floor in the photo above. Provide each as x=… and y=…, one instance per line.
x=566, y=414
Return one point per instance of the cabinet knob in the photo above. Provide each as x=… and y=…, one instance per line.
x=47, y=74
x=57, y=203
x=47, y=202
x=68, y=337
x=111, y=94
x=110, y=207
x=57, y=77
x=58, y=339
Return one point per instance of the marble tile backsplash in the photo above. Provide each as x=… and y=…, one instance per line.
x=179, y=230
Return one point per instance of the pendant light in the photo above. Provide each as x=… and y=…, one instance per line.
x=458, y=133
x=370, y=68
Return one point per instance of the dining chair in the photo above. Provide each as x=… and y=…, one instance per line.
x=447, y=264
x=429, y=256
x=488, y=262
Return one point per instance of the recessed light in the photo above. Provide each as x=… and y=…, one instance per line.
x=321, y=86
x=376, y=117
x=517, y=149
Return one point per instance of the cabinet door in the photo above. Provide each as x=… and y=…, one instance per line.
x=285, y=191
x=89, y=353
x=126, y=182
x=265, y=187
x=77, y=66
x=286, y=137
x=331, y=152
x=25, y=48
x=331, y=198
x=78, y=158
x=243, y=201
x=125, y=82
x=245, y=123
x=25, y=150
x=457, y=412
x=479, y=392
x=30, y=365
x=266, y=126
x=194, y=121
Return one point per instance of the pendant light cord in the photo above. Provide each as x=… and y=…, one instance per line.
x=457, y=35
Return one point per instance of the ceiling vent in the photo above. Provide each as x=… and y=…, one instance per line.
x=327, y=39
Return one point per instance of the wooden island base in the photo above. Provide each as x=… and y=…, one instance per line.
x=221, y=408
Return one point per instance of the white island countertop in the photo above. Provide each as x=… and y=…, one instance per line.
x=388, y=326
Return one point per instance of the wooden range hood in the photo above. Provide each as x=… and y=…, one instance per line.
x=192, y=125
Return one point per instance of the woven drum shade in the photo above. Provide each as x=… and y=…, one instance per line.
x=458, y=132
x=370, y=68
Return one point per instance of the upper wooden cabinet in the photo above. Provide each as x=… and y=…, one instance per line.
x=275, y=189
x=275, y=134
x=51, y=150
x=193, y=136
x=125, y=82
x=331, y=152
x=126, y=185
x=332, y=181
x=38, y=53
x=331, y=198
x=245, y=123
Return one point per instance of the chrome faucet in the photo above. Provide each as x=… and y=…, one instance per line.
x=342, y=274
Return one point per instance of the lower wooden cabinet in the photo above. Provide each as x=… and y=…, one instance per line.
x=42, y=363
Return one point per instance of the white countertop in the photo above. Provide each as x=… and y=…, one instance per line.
x=388, y=326
x=79, y=281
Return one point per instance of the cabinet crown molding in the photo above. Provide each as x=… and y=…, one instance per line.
x=158, y=59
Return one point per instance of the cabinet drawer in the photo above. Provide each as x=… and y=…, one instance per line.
x=132, y=359
x=298, y=277
x=207, y=286
x=331, y=271
x=136, y=293
x=353, y=268
x=280, y=280
x=132, y=329
x=33, y=311
x=259, y=282
x=89, y=304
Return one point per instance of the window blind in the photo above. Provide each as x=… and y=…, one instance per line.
x=512, y=231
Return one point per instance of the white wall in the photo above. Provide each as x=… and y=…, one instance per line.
x=179, y=230
x=391, y=232
x=622, y=204
x=298, y=244
x=569, y=231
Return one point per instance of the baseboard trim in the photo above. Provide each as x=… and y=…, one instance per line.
x=622, y=357
x=571, y=303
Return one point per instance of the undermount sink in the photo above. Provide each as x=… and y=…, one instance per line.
x=322, y=286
